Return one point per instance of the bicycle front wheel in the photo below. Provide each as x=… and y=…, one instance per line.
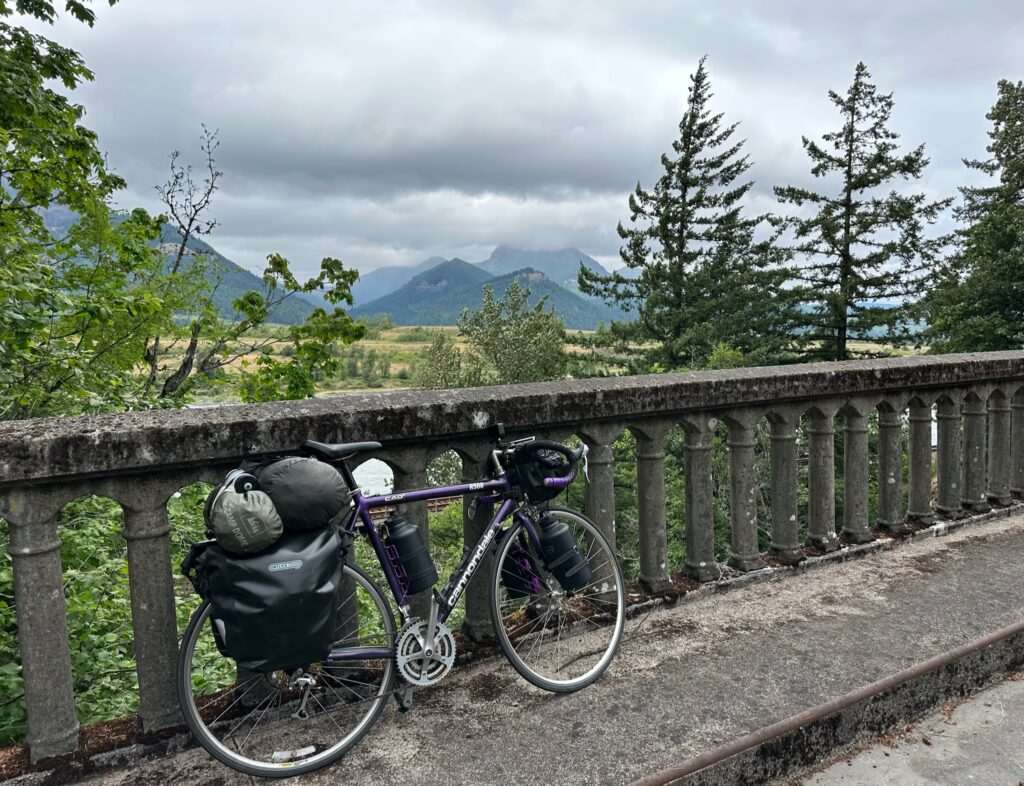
x=558, y=640
x=279, y=725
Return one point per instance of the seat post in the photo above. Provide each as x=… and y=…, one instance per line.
x=346, y=474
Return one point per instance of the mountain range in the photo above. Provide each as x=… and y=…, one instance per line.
x=438, y=296
x=435, y=291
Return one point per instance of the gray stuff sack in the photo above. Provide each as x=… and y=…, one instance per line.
x=242, y=521
x=308, y=494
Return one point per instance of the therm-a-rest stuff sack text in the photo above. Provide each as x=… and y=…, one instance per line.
x=243, y=519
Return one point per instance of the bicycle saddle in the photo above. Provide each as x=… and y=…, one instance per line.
x=340, y=450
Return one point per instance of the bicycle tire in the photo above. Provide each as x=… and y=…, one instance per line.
x=204, y=730
x=588, y=622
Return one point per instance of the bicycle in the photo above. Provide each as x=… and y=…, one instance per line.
x=561, y=640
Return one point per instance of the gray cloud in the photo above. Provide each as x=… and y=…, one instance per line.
x=386, y=134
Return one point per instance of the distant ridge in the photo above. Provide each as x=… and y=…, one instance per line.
x=385, y=280
x=424, y=291
x=406, y=307
x=560, y=266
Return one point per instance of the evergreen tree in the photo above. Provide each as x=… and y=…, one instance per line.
x=863, y=252
x=978, y=303
x=695, y=277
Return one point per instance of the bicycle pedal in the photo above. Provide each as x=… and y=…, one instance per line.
x=403, y=697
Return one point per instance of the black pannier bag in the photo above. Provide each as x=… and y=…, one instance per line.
x=307, y=493
x=278, y=609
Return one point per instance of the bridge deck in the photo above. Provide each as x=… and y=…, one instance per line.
x=688, y=678
x=978, y=741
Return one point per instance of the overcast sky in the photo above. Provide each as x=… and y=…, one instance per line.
x=386, y=133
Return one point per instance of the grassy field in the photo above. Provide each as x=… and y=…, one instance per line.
x=393, y=353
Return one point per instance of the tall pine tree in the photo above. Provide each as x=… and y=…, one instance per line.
x=978, y=303
x=698, y=283
x=862, y=252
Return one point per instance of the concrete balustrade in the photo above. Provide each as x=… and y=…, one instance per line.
x=974, y=433
x=1017, y=445
x=743, y=489
x=140, y=459
x=998, y=449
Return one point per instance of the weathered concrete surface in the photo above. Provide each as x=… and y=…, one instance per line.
x=70, y=448
x=688, y=678
x=979, y=741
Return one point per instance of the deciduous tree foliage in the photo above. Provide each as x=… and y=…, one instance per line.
x=977, y=303
x=696, y=280
x=513, y=342
x=862, y=251
x=509, y=341
x=97, y=317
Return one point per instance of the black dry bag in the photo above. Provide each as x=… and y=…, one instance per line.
x=277, y=609
x=562, y=555
x=307, y=493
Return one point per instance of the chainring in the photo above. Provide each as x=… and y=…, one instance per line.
x=414, y=665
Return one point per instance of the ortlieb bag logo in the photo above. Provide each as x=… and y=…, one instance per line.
x=294, y=564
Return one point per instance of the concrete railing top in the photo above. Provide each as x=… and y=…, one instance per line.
x=62, y=449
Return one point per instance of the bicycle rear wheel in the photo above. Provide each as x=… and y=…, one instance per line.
x=559, y=641
x=280, y=725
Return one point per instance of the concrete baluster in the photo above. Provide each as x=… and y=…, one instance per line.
x=599, y=493
x=821, y=478
x=150, y=580
x=919, y=502
x=700, y=561
x=650, y=502
x=999, y=449
x=947, y=415
x=42, y=622
x=1017, y=446
x=973, y=481
x=855, y=473
x=890, y=467
x=785, y=543
x=744, y=553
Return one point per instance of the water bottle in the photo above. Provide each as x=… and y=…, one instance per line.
x=562, y=555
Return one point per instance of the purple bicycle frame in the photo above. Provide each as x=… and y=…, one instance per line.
x=362, y=522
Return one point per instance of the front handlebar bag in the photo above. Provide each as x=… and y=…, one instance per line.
x=533, y=464
x=277, y=609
